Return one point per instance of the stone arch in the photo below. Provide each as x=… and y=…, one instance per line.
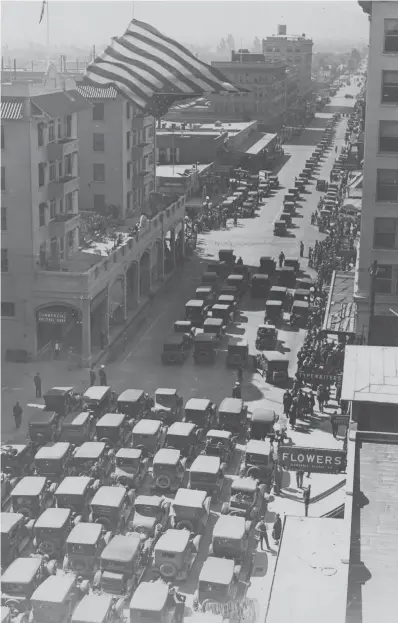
x=116, y=300
x=61, y=322
x=157, y=261
x=145, y=273
x=132, y=285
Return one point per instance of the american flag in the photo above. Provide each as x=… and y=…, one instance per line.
x=154, y=71
x=43, y=6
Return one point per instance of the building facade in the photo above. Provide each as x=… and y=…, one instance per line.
x=292, y=51
x=379, y=224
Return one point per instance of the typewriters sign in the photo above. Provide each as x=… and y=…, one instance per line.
x=317, y=460
x=53, y=317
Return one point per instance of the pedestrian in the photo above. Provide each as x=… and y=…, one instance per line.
x=17, y=413
x=335, y=149
x=287, y=402
x=311, y=402
x=299, y=478
x=102, y=375
x=37, y=382
x=237, y=391
x=301, y=249
x=235, y=219
x=306, y=498
x=93, y=376
x=281, y=259
x=57, y=349
x=239, y=262
x=262, y=532
x=239, y=374
x=277, y=528
x=335, y=426
x=320, y=394
x=293, y=415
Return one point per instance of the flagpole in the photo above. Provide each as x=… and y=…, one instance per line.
x=47, y=33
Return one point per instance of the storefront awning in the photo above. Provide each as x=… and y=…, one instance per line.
x=255, y=143
x=340, y=314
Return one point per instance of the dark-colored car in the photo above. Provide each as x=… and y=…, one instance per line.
x=232, y=416
x=135, y=403
x=176, y=348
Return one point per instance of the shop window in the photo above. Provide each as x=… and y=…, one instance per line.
x=385, y=233
x=69, y=203
x=391, y=35
x=4, y=260
x=99, y=172
x=98, y=142
x=7, y=309
x=390, y=87
x=41, y=174
x=42, y=214
x=99, y=112
x=40, y=135
x=387, y=185
x=383, y=283
x=388, y=136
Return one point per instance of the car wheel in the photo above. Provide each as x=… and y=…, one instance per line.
x=163, y=482
x=185, y=525
x=168, y=570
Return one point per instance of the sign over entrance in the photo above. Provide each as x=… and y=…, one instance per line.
x=318, y=376
x=317, y=460
x=59, y=317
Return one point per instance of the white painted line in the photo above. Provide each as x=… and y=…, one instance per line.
x=151, y=326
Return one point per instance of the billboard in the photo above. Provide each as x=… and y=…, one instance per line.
x=317, y=460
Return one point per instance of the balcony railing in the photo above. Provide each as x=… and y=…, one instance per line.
x=63, y=223
x=57, y=150
x=62, y=186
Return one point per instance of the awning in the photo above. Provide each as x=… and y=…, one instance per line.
x=340, y=314
x=255, y=143
x=61, y=103
x=11, y=108
x=352, y=204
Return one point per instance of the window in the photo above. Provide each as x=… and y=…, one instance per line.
x=129, y=201
x=150, y=131
x=68, y=126
x=390, y=87
x=128, y=140
x=52, y=172
x=385, y=233
x=134, y=138
x=4, y=260
x=53, y=209
x=2, y=137
x=69, y=203
x=391, y=35
x=60, y=168
x=384, y=279
x=61, y=206
x=42, y=214
x=42, y=175
x=127, y=110
x=98, y=142
x=68, y=165
x=298, y=50
x=40, y=135
x=7, y=309
x=99, y=203
x=99, y=172
x=3, y=178
x=388, y=136
x=99, y=112
x=70, y=238
x=387, y=185
x=59, y=128
x=3, y=219
x=128, y=170
x=62, y=244
x=150, y=157
x=289, y=50
x=51, y=133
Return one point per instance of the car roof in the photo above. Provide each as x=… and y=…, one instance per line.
x=260, y=276
x=8, y=521
x=122, y=548
x=131, y=395
x=273, y=303
x=5, y=613
x=229, y=527
x=54, y=589
x=108, y=496
x=217, y=570
x=279, y=288
x=268, y=327
x=80, y=418
x=73, y=485
x=16, y=447
x=244, y=484
x=96, y=392
x=257, y=446
x=204, y=289
x=235, y=277
x=222, y=434
x=55, y=450
x=237, y=341
x=59, y=391
x=21, y=570
x=190, y=497
x=205, y=337
x=41, y=415
x=183, y=323
x=166, y=456
x=197, y=404
x=111, y=419
x=166, y=391
x=90, y=449
x=181, y=428
x=92, y=608
x=226, y=297
x=260, y=414
x=195, y=303
x=206, y=464
x=85, y=533
x=147, y=427
x=214, y=321
x=54, y=518
x=173, y=541
x=274, y=355
x=231, y=405
x=302, y=304
x=150, y=596
x=149, y=500
x=29, y=486
x=129, y=453
x=301, y=291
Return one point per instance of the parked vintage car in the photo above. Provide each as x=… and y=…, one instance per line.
x=122, y=564
x=274, y=367
x=135, y=403
x=130, y=468
x=17, y=459
x=99, y=399
x=201, y=412
x=205, y=293
x=214, y=326
x=218, y=582
x=258, y=461
x=50, y=531
x=176, y=348
x=99, y=608
x=219, y=443
x=232, y=416
x=114, y=430
x=62, y=400
x=151, y=515
x=76, y=493
x=111, y=507
x=267, y=265
x=267, y=337
x=190, y=510
x=185, y=327
x=32, y=495
x=152, y=602
x=238, y=352
x=44, y=426
x=168, y=469
x=247, y=499
x=95, y=459
x=54, y=461
x=261, y=423
x=84, y=545
x=231, y=538
x=183, y=437
x=207, y=474
x=205, y=348
x=14, y=537
x=195, y=312
x=56, y=598
x=20, y=580
x=175, y=553
x=167, y=405
x=77, y=429
x=260, y=285
x=149, y=436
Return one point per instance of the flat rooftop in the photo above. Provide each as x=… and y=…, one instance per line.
x=371, y=374
x=310, y=581
x=178, y=170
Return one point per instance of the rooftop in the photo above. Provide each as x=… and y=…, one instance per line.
x=179, y=170
x=340, y=314
x=371, y=374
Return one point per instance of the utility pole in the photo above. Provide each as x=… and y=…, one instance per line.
x=373, y=270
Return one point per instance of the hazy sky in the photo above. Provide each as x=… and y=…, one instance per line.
x=198, y=21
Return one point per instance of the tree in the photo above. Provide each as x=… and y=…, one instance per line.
x=257, y=48
x=231, y=42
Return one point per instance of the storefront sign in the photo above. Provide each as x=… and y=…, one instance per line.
x=60, y=317
x=316, y=376
x=317, y=460
x=342, y=420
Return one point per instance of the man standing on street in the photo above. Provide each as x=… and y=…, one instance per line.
x=37, y=382
x=335, y=426
x=281, y=259
x=301, y=249
x=93, y=376
x=299, y=478
x=262, y=531
x=287, y=402
x=17, y=413
x=239, y=374
x=102, y=375
x=277, y=528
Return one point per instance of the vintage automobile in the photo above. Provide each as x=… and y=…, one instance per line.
x=206, y=294
x=210, y=279
x=247, y=499
x=304, y=284
x=167, y=405
x=54, y=461
x=93, y=458
x=14, y=537
x=190, y=510
x=44, y=426
x=300, y=294
x=280, y=228
x=20, y=580
x=228, y=290
x=50, y=531
x=195, y=312
x=114, y=430
x=321, y=185
x=227, y=255
x=267, y=337
x=149, y=436
x=176, y=348
x=290, y=208
x=273, y=366
x=111, y=507
x=99, y=608
x=76, y=492
x=230, y=537
x=98, y=399
x=152, y=602
x=299, y=314
x=219, y=443
x=184, y=437
x=135, y=403
x=32, y=495
x=294, y=262
x=56, y=598
x=278, y=293
x=287, y=217
x=262, y=423
x=16, y=459
x=238, y=282
x=207, y=474
x=232, y=416
x=78, y=428
x=238, y=352
x=62, y=400
x=84, y=545
x=201, y=412
x=122, y=564
x=168, y=469
x=285, y=277
x=130, y=468
x=258, y=461
x=260, y=285
x=215, y=326
x=267, y=265
x=218, y=582
x=223, y=311
x=151, y=515
x=185, y=327
x=174, y=554
x=205, y=348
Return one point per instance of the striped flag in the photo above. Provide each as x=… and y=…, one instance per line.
x=154, y=71
x=43, y=6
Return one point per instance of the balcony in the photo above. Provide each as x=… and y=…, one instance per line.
x=62, y=186
x=63, y=223
x=143, y=172
x=57, y=150
x=137, y=152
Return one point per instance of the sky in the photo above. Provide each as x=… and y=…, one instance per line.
x=94, y=22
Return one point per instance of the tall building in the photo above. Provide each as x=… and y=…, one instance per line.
x=293, y=51
x=379, y=223
x=117, y=147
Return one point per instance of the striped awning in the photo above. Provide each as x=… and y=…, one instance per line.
x=11, y=108
x=96, y=93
